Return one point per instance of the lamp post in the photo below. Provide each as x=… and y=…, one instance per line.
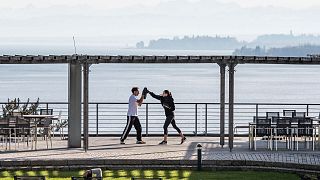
x=199, y=149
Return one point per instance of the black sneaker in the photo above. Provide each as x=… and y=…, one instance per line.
x=163, y=143
x=140, y=142
x=183, y=140
x=122, y=142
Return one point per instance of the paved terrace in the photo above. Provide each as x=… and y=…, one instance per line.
x=106, y=152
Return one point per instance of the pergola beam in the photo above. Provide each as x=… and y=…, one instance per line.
x=96, y=59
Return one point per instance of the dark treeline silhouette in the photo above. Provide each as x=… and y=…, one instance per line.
x=230, y=43
x=282, y=40
x=194, y=43
x=302, y=50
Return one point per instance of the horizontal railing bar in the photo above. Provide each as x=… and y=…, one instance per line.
x=189, y=103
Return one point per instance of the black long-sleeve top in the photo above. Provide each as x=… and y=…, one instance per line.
x=166, y=102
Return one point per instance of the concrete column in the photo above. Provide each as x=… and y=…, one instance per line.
x=85, y=106
x=231, y=103
x=74, y=108
x=222, y=101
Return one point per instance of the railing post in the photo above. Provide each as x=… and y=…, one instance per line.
x=196, y=119
x=307, y=109
x=97, y=119
x=47, y=107
x=257, y=110
x=206, y=119
x=147, y=119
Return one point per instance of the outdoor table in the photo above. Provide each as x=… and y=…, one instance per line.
x=37, y=119
x=317, y=120
x=294, y=127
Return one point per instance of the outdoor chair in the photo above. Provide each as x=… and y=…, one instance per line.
x=272, y=115
x=46, y=111
x=306, y=130
x=262, y=129
x=60, y=125
x=29, y=177
x=46, y=126
x=45, y=130
x=12, y=133
x=23, y=130
x=284, y=129
x=4, y=131
x=298, y=116
x=288, y=113
x=17, y=114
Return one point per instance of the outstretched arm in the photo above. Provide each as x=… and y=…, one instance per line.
x=155, y=96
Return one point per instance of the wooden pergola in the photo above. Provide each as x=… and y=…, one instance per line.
x=78, y=63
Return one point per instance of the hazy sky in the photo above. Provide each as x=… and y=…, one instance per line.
x=106, y=4
x=127, y=21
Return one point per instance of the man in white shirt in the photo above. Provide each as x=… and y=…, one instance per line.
x=132, y=116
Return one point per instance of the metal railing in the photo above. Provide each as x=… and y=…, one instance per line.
x=191, y=118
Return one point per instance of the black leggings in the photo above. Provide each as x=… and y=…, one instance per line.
x=170, y=119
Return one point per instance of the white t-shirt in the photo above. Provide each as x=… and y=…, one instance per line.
x=133, y=106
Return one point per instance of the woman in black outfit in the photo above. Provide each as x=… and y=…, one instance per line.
x=167, y=103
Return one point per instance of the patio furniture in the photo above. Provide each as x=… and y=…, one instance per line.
x=29, y=177
x=23, y=130
x=283, y=128
x=46, y=111
x=37, y=119
x=46, y=124
x=272, y=115
x=288, y=113
x=4, y=131
x=262, y=128
x=298, y=116
x=60, y=125
x=16, y=114
x=307, y=131
x=12, y=132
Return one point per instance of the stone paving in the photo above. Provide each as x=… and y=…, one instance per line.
x=107, y=148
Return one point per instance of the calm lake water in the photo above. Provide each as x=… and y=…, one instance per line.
x=188, y=82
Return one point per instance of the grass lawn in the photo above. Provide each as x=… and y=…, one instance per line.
x=164, y=174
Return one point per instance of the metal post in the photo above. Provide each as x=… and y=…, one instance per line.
x=307, y=109
x=199, y=153
x=147, y=119
x=206, y=119
x=74, y=105
x=85, y=105
x=97, y=119
x=222, y=102
x=231, y=104
x=196, y=120
x=257, y=111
